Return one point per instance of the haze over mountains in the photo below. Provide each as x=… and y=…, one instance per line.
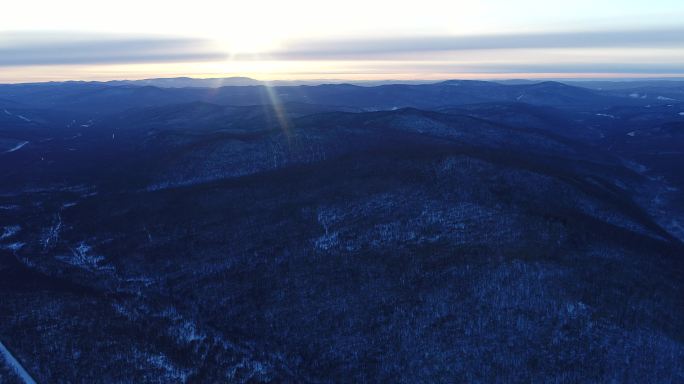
x=187, y=230
x=74, y=95
x=183, y=82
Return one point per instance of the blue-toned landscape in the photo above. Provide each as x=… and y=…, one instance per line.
x=467, y=231
x=358, y=192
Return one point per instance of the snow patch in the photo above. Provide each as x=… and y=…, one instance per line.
x=640, y=168
x=187, y=333
x=17, y=147
x=14, y=247
x=170, y=372
x=51, y=235
x=677, y=228
x=82, y=257
x=9, y=231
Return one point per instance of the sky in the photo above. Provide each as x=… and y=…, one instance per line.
x=47, y=40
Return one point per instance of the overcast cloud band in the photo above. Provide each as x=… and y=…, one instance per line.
x=31, y=48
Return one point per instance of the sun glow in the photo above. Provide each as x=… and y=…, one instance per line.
x=245, y=38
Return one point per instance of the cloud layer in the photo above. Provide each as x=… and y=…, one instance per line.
x=374, y=48
x=646, y=51
x=29, y=49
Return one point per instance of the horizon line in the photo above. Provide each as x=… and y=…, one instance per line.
x=615, y=77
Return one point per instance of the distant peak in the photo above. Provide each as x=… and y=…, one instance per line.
x=550, y=84
x=465, y=82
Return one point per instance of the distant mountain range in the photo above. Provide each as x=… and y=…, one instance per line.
x=217, y=82
x=110, y=97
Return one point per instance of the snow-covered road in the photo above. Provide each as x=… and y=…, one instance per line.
x=15, y=365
